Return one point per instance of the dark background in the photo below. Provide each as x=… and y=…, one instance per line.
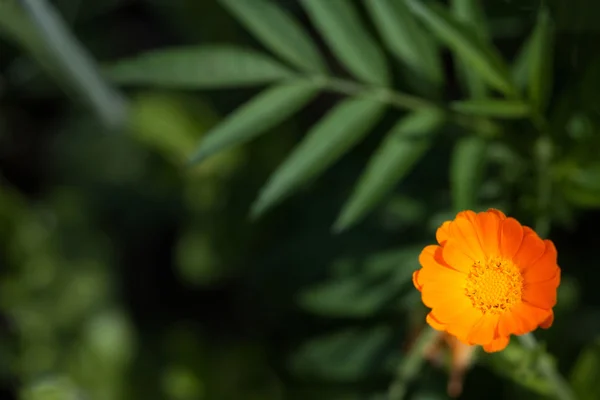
x=125, y=275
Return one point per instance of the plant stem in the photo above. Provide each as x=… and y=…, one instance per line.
x=562, y=390
x=397, y=99
x=411, y=364
x=405, y=101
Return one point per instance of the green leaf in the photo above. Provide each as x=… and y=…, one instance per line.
x=328, y=140
x=381, y=278
x=520, y=67
x=466, y=168
x=39, y=28
x=402, y=148
x=586, y=373
x=466, y=43
x=470, y=13
x=258, y=115
x=278, y=31
x=510, y=109
x=341, y=28
x=207, y=67
x=540, y=61
x=343, y=356
x=408, y=42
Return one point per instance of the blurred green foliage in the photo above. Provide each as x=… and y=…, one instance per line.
x=249, y=231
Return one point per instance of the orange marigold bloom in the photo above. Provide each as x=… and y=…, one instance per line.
x=490, y=277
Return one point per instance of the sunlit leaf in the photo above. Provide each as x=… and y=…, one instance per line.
x=540, y=61
x=466, y=167
x=466, y=43
x=470, y=13
x=344, y=356
x=256, y=116
x=342, y=29
x=408, y=42
x=278, y=31
x=402, y=148
x=585, y=374
x=510, y=109
x=328, y=140
x=207, y=67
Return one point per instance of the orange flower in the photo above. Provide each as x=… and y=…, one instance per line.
x=490, y=277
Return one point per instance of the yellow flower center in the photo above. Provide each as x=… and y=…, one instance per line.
x=494, y=286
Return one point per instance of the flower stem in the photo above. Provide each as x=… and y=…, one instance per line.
x=562, y=390
x=411, y=364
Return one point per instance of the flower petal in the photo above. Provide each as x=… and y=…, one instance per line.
x=435, y=323
x=455, y=257
x=484, y=330
x=542, y=294
x=529, y=317
x=463, y=229
x=547, y=323
x=545, y=268
x=497, y=344
x=415, y=279
x=488, y=224
x=442, y=234
x=531, y=249
x=498, y=213
x=461, y=323
x=511, y=237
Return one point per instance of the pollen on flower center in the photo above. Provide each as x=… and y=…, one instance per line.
x=494, y=286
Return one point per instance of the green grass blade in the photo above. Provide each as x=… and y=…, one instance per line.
x=342, y=29
x=338, y=131
x=278, y=32
x=402, y=148
x=206, y=67
x=263, y=112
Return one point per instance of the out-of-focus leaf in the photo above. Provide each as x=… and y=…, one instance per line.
x=585, y=374
x=408, y=42
x=207, y=67
x=466, y=167
x=344, y=356
x=402, y=148
x=540, y=61
x=329, y=139
x=381, y=278
x=582, y=185
x=75, y=62
x=196, y=261
x=520, y=66
x=278, y=31
x=169, y=124
x=255, y=117
x=340, y=25
x=466, y=43
x=510, y=109
x=348, y=297
x=54, y=388
x=516, y=363
x=470, y=13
